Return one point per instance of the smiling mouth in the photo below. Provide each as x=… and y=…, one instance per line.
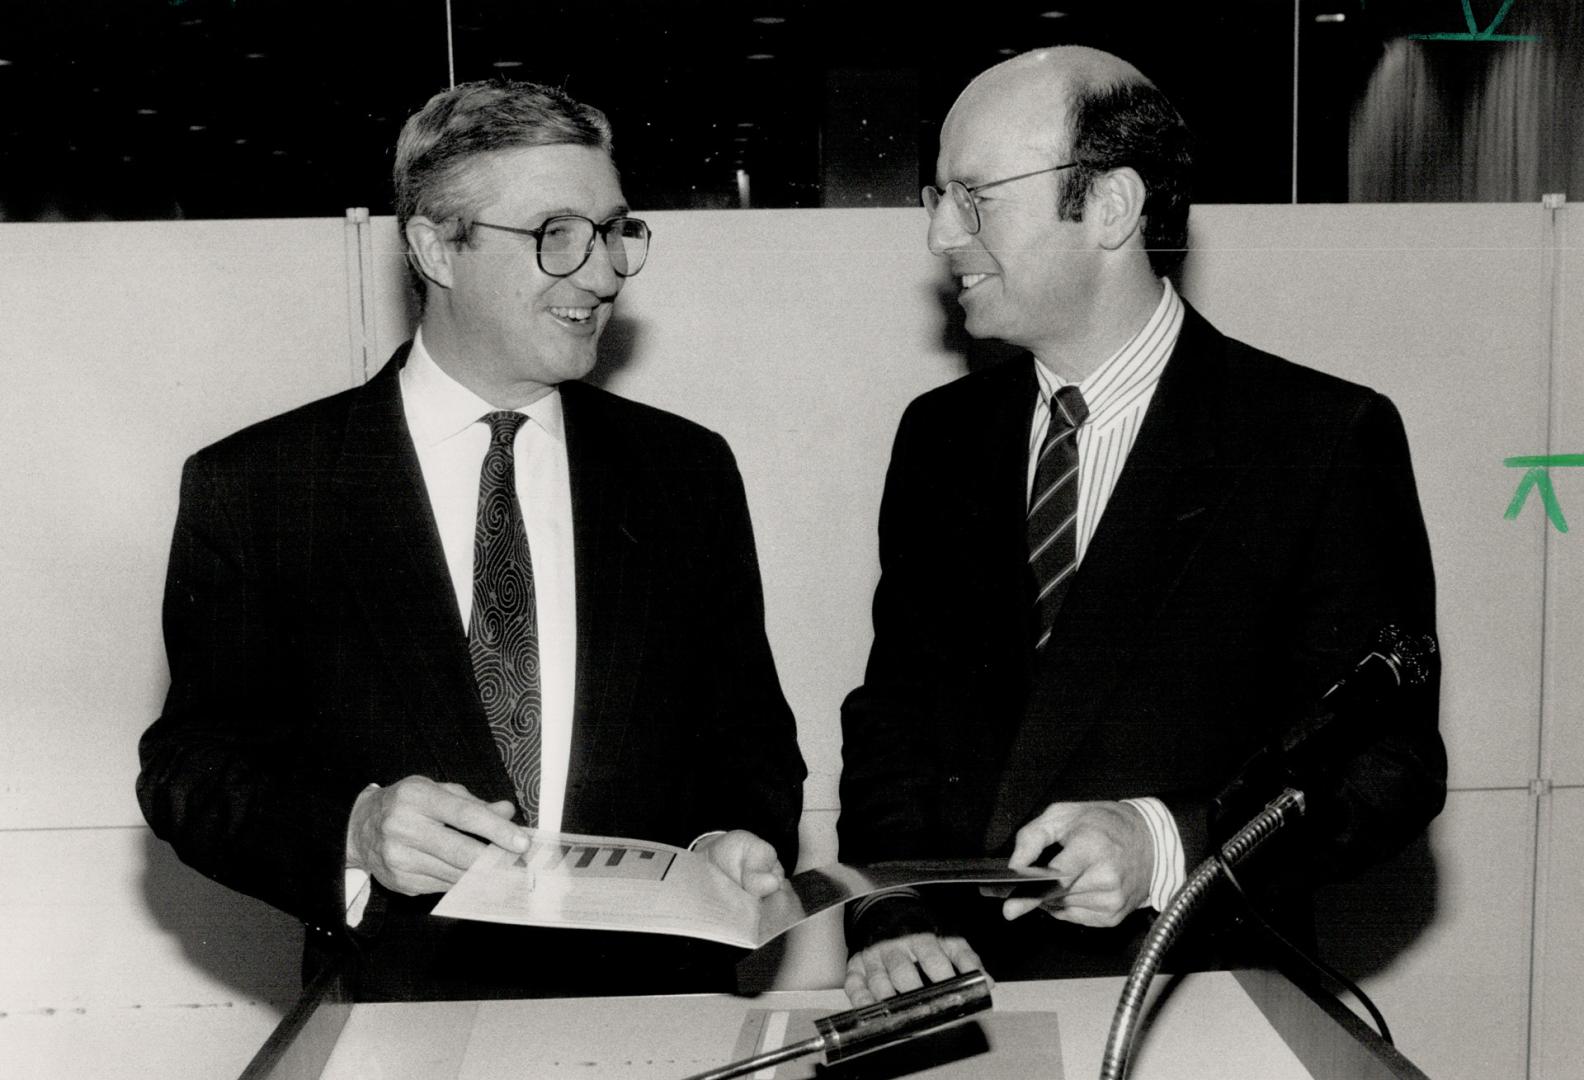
x=573, y=314
x=968, y=281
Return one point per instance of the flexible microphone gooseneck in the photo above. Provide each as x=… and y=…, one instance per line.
x=1396, y=660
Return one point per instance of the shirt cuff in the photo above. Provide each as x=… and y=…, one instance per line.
x=865, y=903
x=355, y=885
x=357, y=895
x=1169, y=873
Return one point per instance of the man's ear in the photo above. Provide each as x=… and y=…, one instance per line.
x=1116, y=207
x=429, y=250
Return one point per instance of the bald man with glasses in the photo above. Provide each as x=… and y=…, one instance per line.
x=1114, y=567
x=473, y=596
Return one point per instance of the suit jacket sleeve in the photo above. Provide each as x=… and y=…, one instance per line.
x=224, y=776
x=750, y=738
x=1368, y=565
x=888, y=767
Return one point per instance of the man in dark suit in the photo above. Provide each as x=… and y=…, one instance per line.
x=1114, y=569
x=474, y=595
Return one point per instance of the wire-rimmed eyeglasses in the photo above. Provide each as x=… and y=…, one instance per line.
x=565, y=242
x=962, y=196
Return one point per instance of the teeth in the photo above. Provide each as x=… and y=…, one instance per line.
x=970, y=280
x=573, y=314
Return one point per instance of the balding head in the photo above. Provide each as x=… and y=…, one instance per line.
x=1073, y=103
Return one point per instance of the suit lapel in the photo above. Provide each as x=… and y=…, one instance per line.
x=396, y=572
x=613, y=592
x=1169, y=490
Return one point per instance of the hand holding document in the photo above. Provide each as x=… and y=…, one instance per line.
x=570, y=880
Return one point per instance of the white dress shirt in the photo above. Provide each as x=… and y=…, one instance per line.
x=1118, y=394
x=443, y=420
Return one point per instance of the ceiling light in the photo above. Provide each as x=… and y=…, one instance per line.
x=148, y=112
x=1333, y=17
x=5, y=63
x=507, y=64
x=769, y=20
x=1053, y=14
x=761, y=56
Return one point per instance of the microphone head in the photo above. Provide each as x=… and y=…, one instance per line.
x=1412, y=656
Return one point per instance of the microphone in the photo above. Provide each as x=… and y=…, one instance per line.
x=845, y=1035
x=1397, y=659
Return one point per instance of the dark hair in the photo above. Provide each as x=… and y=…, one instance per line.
x=1133, y=124
x=441, y=142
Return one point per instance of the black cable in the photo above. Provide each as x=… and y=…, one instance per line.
x=1320, y=967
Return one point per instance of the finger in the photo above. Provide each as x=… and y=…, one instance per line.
x=505, y=808
x=934, y=961
x=902, y=972
x=1048, y=828
x=961, y=954
x=857, y=983
x=760, y=883
x=1016, y=909
x=469, y=815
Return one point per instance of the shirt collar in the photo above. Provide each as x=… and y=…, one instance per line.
x=1139, y=361
x=440, y=408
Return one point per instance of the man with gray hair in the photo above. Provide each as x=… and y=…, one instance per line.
x=472, y=596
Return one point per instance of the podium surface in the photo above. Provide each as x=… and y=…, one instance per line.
x=1203, y=1026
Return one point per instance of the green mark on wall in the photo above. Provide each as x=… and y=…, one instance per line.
x=1474, y=32
x=1538, y=476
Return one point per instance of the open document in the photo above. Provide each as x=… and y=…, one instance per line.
x=606, y=883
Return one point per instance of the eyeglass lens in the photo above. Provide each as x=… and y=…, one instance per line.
x=959, y=197
x=564, y=245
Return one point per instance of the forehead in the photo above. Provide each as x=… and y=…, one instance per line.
x=538, y=179
x=994, y=131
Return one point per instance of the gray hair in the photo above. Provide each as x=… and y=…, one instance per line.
x=440, y=143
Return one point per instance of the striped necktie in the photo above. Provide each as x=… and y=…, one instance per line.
x=1053, y=510
x=503, y=632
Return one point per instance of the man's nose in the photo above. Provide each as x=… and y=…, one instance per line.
x=947, y=230
x=597, y=274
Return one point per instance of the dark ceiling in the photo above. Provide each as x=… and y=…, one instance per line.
x=127, y=109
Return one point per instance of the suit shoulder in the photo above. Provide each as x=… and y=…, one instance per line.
x=296, y=434
x=1278, y=388
x=982, y=387
x=657, y=427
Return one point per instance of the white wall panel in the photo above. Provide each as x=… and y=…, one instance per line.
x=1446, y=310
x=1559, y=940
x=1456, y=994
x=125, y=347
x=94, y=919
x=1563, y=760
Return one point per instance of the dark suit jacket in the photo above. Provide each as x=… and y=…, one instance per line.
x=315, y=646
x=1266, y=524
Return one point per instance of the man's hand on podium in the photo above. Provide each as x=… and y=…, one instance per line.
x=892, y=967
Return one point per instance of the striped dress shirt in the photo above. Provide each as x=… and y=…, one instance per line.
x=1118, y=394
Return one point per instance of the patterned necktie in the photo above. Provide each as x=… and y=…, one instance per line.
x=503, y=633
x=1053, y=510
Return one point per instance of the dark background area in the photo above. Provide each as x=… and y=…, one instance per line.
x=152, y=109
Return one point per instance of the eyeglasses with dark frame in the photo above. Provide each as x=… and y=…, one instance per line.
x=962, y=195
x=565, y=242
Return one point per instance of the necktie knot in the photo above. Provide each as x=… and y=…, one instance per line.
x=1069, y=405
x=503, y=426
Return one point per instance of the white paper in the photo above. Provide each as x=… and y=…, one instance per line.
x=570, y=880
